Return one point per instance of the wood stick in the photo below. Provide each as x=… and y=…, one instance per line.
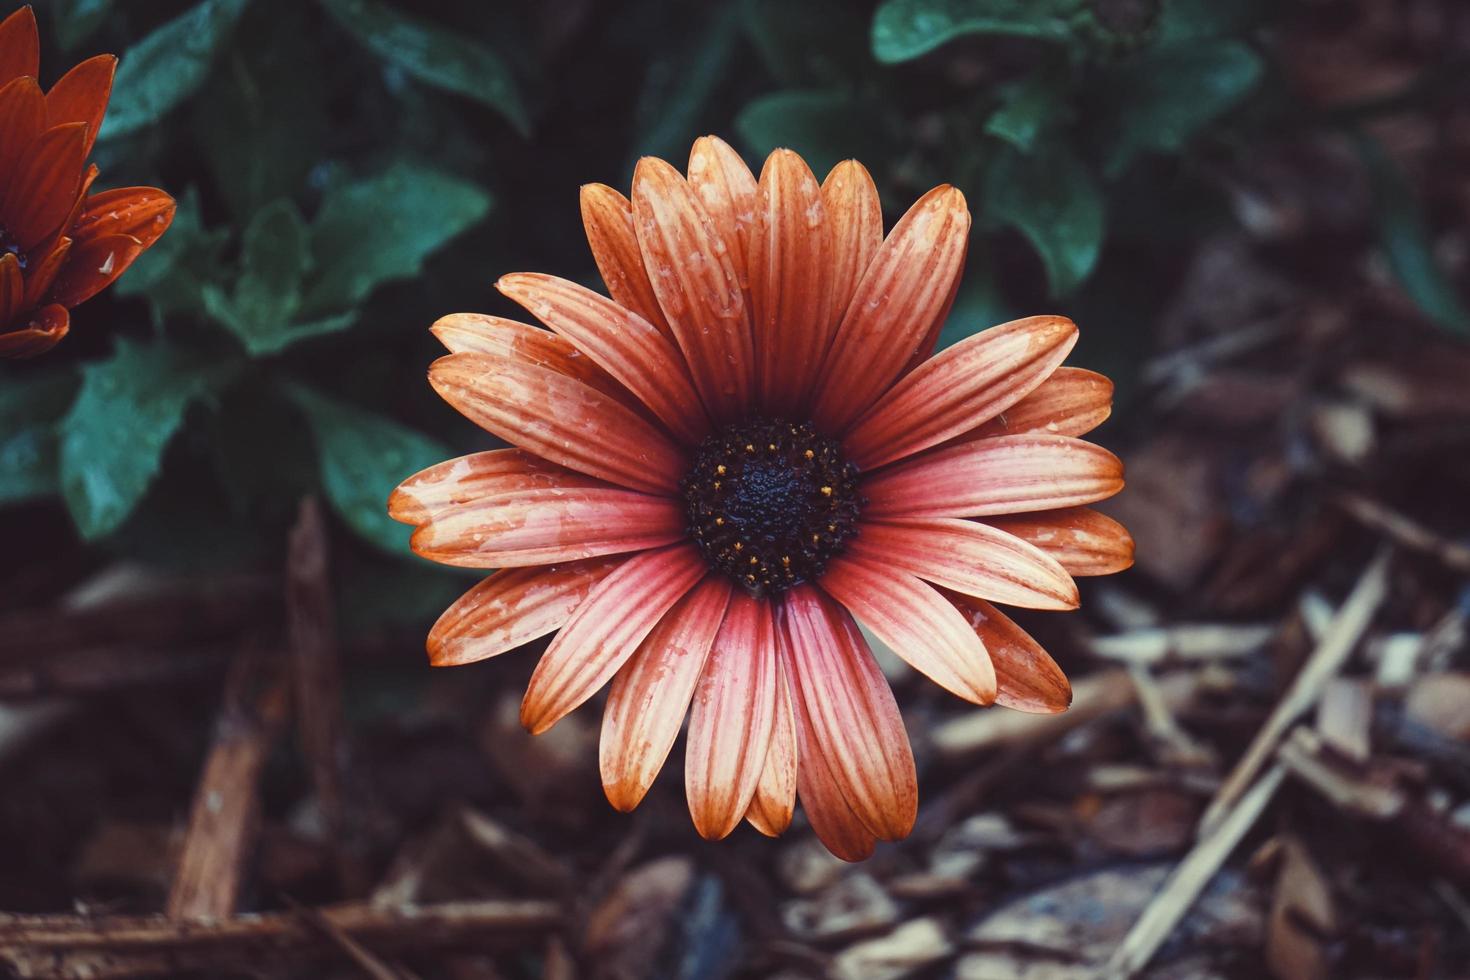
x=76, y=946
x=1327, y=659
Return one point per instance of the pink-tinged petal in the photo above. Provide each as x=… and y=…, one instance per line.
x=650, y=696
x=855, y=216
x=971, y=558
x=44, y=185
x=455, y=482
x=726, y=188
x=904, y=291
x=145, y=213
x=790, y=284
x=539, y=527
x=92, y=266
x=1082, y=541
x=12, y=288
x=1026, y=677
x=621, y=342
x=479, y=333
x=512, y=607
x=918, y=623
x=81, y=95
x=851, y=711
x=832, y=820
x=20, y=45
x=731, y=719
x=960, y=388
x=606, y=629
x=559, y=419
x=1072, y=402
x=775, y=795
x=697, y=285
x=22, y=119
x=1001, y=475
x=608, y=218
x=41, y=333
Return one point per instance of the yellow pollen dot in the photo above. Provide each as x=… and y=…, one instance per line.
x=720, y=469
x=816, y=538
x=717, y=484
x=719, y=522
x=739, y=545
x=771, y=446
x=809, y=454
x=750, y=447
x=832, y=528
x=785, y=559
x=826, y=491
x=754, y=560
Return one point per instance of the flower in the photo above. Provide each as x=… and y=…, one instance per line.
x=58, y=246
x=742, y=453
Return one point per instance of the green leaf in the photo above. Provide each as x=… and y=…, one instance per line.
x=174, y=274
x=362, y=457
x=29, y=410
x=808, y=42
x=166, y=67
x=1406, y=241
x=76, y=20
x=680, y=83
x=433, y=55
x=1053, y=200
x=1029, y=109
x=906, y=29
x=113, y=438
x=1159, y=101
x=824, y=127
x=1192, y=20
x=382, y=228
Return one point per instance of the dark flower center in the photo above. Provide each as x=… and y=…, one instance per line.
x=770, y=502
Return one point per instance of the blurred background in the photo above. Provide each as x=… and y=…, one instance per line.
x=213, y=691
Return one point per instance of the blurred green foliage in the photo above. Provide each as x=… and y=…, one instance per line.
x=349, y=170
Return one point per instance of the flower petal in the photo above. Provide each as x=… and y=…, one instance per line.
x=22, y=119
x=512, y=607
x=697, y=285
x=1072, y=402
x=12, y=288
x=91, y=266
x=855, y=216
x=81, y=96
x=905, y=289
x=606, y=629
x=960, y=388
x=1000, y=475
x=732, y=717
x=790, y=284
x=46, y=265
x=726, y=188
x=142, y=212
x=650, y=696
x=434, y=491
x=541, y=526
x=1027, y=678
x=1082, y=541
x=44, y=184
x=20, y=45
x=608, y=218
x=620, y=342
x=832, y=820
x=478, y=333
x=43, y=332
x=851, y=711
x=560, y=419
x=775, y=794
x=918, y=623
x=970, y=558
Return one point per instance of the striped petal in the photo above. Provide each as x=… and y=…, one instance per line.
x=512, y=607
x=44, y=185
x=731, y=721
x=851, y=712
x=606, y=629
x=1072, y=402
x=542, y=526
x=478, y=333
x=650, y=696
x=93, y=265
x=970, y=558
x=45, y=269
x=904, y=291
x=918, y=623
x=832, y=820
x=81, y=96
x=775, y=794
x=142, y=212
x=1002, y=475
x=697, y=285
x=560, y=419
x=444, y=486
x=960, y=388
x=1027, y=678
x=22, y=119
x=1082, y=541
x=20, y=45
x=855, y=216
x=790, y=283
x=620, y=342
x=607, y=217
x=726, y=188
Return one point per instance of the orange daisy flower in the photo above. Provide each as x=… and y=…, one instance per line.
x=58, y=246
x=745, y=451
